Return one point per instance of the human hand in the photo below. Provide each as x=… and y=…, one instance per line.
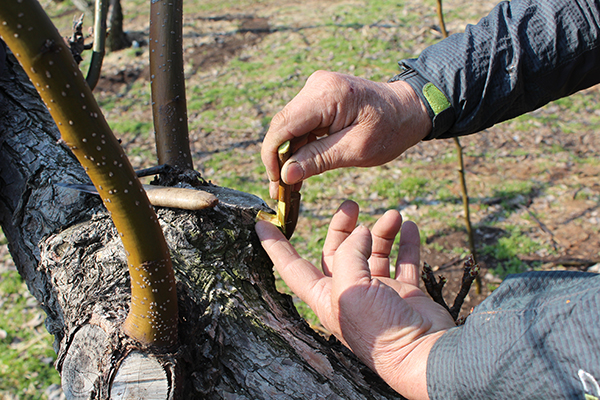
x=363, y=124
x=389, y=323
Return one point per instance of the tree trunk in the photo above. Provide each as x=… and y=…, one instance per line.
x=116, y=39
x=239, y=337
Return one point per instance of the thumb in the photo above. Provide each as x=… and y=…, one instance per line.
x=328, y=153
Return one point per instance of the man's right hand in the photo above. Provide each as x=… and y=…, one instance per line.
x=362, y=123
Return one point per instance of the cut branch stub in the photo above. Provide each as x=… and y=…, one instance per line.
x=169, y=107
x=38, y=46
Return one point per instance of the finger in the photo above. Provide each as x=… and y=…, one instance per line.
x=350, y=265
x=384, y=233
x=409, y=254
x=304, y=114
x=296, y=143
x=303, y=278
x=274, y=189
x=330, y=152
x=342, y=224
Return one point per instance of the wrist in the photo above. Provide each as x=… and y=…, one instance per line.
x=407, y=373
x=412, y=109
x=439, y=109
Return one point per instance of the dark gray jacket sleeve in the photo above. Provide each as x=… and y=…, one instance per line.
x=535, y=337
x=524, y=54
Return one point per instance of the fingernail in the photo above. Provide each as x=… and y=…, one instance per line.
x=293, y=172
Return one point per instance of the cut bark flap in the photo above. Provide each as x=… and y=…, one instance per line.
x=185, y=199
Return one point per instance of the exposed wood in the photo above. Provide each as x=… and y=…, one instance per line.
x=140, y=377
x=82, y=364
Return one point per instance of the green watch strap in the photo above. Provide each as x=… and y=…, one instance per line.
x=436, y=99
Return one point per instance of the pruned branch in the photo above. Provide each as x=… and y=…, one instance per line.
x=434, y=287
x=169, y=107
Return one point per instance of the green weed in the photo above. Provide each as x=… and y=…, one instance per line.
x=132, y=128
x=508, y=249
x=26, y=353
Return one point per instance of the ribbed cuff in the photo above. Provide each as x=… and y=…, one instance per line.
x=440, y=110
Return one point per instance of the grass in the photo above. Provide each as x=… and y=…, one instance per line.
x=508, y=249
x=26, y=353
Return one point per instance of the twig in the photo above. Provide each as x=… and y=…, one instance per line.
x=542, y=226
x=158, y=169
x=434, y=288
x=461, y=171
x=470, y=273
x=450, y=263
x=465, y=200
x=76, y=41
x=441, y=18
x=567, y=262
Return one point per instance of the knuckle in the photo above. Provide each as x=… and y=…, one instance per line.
x=280, y=119
x=324, y=158
x=325, y=80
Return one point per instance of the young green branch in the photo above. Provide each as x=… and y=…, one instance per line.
x=25, y=27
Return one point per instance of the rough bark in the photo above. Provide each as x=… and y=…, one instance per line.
x=239, y=337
